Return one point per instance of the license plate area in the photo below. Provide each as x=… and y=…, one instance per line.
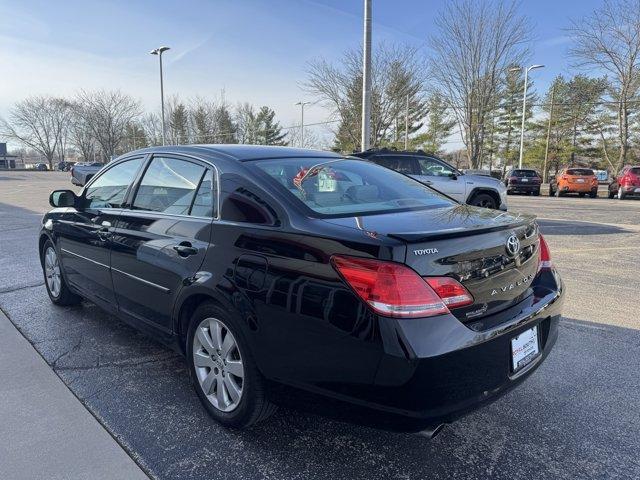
x=525, y=348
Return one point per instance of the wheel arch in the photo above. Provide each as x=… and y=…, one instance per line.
x=478, y=190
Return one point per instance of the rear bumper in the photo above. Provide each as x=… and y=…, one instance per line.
x=435, y=370
x=578, y=188
x=523, y=187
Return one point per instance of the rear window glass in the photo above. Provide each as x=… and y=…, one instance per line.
x=580, y=171
x=635, y=170
x=346, y=187
x=525, y=173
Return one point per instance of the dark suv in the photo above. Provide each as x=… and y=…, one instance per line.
x=310, y=269
x=521, y=180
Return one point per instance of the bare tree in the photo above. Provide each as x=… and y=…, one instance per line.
x=107, y=114
x=610, y=39
x=152, y=127
x=39, y=123
x=396, y=73
x=80, y=135
x=474, y=44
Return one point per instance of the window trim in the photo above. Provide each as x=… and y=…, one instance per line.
x=133, y=190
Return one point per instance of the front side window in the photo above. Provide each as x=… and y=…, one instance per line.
x=346, y=187
x=169, y=185
x=434, y=168
x=109, y=189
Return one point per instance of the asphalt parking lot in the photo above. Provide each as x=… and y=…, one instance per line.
x=577, y=417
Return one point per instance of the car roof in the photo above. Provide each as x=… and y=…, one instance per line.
x=244, y=153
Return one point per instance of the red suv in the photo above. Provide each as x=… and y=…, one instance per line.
x=626, y=183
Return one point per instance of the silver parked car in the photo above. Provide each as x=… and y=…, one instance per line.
x=472, y=189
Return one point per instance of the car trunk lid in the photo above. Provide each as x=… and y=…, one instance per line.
x=468, y=244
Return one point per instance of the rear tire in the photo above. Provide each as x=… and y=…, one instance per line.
x=552, y=192
x=54, y=280
x=559, y=193
x=593, y=193
x=235, y=397
x=581, y=195
x=611, y=194
x=483, y=200
x=536, y=193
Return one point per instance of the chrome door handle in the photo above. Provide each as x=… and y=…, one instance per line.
x=103, y=232
x=185, y=249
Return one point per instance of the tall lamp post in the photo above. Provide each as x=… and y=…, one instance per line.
x=158, y=51
x=524, y=104
x=366, y=79
x=302, y=104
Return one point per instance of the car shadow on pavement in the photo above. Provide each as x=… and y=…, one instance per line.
x=141, y=392
x=568, y=227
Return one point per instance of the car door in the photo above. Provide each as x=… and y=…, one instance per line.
x=160, y=241
x=442, y=177
x=84, y=233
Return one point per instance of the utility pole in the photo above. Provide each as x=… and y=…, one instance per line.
x=366, y=79
x=546, y=150
x=302, y=104
x=159, y=51
x=406, y=125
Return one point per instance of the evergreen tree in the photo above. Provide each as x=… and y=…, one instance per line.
x=440, y=124
x=508, y=115
x=178, y=124
x=269, y=131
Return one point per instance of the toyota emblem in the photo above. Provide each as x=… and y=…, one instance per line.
x=513, y=245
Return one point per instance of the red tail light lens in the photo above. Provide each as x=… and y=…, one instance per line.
x=395, y=290
x=452, y=293
x=545, y=255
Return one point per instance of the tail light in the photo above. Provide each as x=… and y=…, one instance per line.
x=394, y=290
x=513, y=179
x=545, y=255
x=452, y=293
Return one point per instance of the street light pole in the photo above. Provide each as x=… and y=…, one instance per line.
x=302, y=104
x=159, y=51
x=546, y=150
x=366, y=79
x=524, y=106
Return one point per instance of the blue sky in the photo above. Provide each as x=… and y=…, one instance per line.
x=256, y=51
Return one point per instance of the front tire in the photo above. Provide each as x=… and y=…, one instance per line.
x=223, y=371
x=54, y=280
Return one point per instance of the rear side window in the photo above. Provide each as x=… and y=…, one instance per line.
x=580, y=171
x=169, y=185
x=109, y=189
x=402, y=164
x=204, y=201
x=635, y=170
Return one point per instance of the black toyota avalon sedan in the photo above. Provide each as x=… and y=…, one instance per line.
x=274, y=265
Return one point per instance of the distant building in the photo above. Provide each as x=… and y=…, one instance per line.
x=6, y=161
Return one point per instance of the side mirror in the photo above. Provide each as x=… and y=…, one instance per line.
x=453, y=176
x=62, y=198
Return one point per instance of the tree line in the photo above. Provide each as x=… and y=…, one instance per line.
x=472, y=83
x=468, y=83
x=99, y=125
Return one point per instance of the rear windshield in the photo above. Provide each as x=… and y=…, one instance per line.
x=580, y=171
x=635, y=170
x=346, y=187
x=525, y=173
